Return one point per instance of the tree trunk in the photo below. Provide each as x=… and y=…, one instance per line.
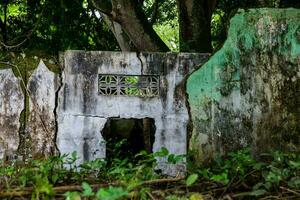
x=122, y=38
x=195, y=25
x=4, y=30
x=130, y=16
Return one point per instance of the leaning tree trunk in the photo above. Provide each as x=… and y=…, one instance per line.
x=195, y=25
x=122, y=38
x=129, y=15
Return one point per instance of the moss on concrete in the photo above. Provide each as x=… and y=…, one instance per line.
x=26, y=63
x=253, y=79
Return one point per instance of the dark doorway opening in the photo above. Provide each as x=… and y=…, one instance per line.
x=127, y=137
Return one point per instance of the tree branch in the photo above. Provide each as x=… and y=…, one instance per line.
x=4, y=28
x=212, y=5
x=132, y=21
x=154, y=13
x=104, y=6
x=27, y=36
x=1, y=24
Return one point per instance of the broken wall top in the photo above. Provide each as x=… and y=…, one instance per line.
x=82, y=69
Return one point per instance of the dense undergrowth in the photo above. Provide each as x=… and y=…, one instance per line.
x=235, y=176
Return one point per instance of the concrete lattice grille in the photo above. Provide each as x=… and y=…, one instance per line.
x=129, y=85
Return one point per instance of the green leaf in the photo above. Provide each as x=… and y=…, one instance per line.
x=173, y=159
x=162, y=153
x=258, y=185
x=87, y=190
x=294, y=182
x=221, y=178
x=43, y=186
x=294, y=164
x=196, y=196
x=54, y=178
x=74, y=155
x=258, y=166
x=258, y=192
x=72, y=196
x=111, y=193
x=102, y=194
x=132, y=184
x=191, y=179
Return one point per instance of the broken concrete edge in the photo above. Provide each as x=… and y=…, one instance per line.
x=139, y=55
x=26, y=66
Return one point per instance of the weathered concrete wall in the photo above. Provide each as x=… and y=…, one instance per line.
x=248, y=93
x=11, y=106
x=82, y=112
x=79, y=114
x=42, y=87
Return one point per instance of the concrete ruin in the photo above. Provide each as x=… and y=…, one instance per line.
x=98, y=86
x=11, y=106
x=42, y=87
x=248, y=93
x=140, y=97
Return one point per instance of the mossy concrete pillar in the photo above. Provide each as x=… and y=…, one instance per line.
x=248, y=93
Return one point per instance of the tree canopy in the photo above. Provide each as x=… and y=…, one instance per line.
x=128, y=25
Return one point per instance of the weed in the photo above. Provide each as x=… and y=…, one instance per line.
x=237, y=174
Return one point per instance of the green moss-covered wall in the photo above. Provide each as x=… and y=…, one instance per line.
x=248, y=93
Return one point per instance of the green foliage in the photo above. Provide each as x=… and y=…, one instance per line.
x=166, y=21
x=167, y=11
x=191, y=179
x=44, y=175
x=72, y=196
x=169, y=33
x=124, y=179
x=57, y=25
x=54, y=25
x=87, y=190
x=274, y=170
x=111, y=193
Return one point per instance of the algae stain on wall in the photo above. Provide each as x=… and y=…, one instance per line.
x=248, y=93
